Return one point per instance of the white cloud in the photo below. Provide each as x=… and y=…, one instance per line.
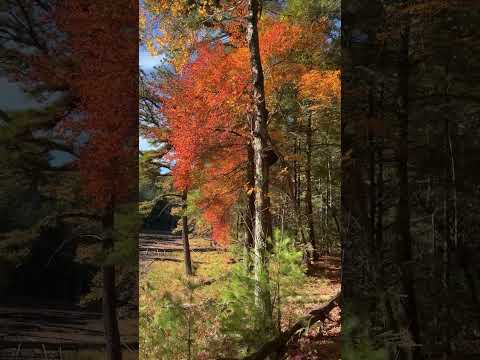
x=147, y=62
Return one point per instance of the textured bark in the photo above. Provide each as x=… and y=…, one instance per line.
x=250, y=211
x=185, y=240
x=308, y=192
x=420, y=285
x=262, y=296
x=268, y=215
x=277, y=345
x=372, y=166
x=360, y=22
x=297, y=180
x=109, y=306
x=291, y=186
x=405, y=242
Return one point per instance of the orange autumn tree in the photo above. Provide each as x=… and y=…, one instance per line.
x=207, y=108
x=98, y=37
x=175, y=27
x=82, y=49
x=322, y=87
x=98, y=46
x=89, y=47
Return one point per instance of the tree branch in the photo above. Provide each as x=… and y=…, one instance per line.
x=278, y=344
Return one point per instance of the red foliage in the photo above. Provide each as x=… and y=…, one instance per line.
x=220, y=191
x=103, y=51
x=87, y=51
x=206, y=108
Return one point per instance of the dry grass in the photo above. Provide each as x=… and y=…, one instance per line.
x=168, y=276
x=321, y=283
x=94, y=355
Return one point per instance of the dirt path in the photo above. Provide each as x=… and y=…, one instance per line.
x=48, y=326
x=158, y=246
x=322, y=341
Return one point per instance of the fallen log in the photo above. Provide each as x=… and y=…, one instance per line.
x=160, y=258
x=161, y=249
x=278, y=344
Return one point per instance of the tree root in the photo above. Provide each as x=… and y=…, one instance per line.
x=277, y=346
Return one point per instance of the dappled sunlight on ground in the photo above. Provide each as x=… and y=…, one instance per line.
x=321, y=341
x=322, y=282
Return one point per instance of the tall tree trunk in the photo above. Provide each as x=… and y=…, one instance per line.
x=109, y=306
x=308, y=192
x=380, y=186
x=262, y=295
x=405, y=242
x=372, y=167
x=451, y=226
x=296, y=196
x=250, y=213
x=249, y=223
x=291, y=190
x=186, y=243
x=298, y=190
x=268, y=214
x=328, y=211
x=295, y=174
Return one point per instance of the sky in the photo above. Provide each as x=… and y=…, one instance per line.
x=14, y=98
x=146, y=63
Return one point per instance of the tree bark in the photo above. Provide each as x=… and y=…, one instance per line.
x=250, y=213
x=298, y=190
x=405, y=242
x=291, y=191
x=277, y=345
x=268, y=214
x=295, y=177
x=372, y=166
x=109, y=306
x=185, y=240
x=308, y=192
x=262, y=295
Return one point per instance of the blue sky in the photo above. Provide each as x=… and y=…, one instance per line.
x=146, y=62
x=14, y=98
x=143, y=144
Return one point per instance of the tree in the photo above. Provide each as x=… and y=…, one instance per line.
x=401, y=180
x=207, y=108
x=321, y=92
x=259, y=134
x=186, y=243
x=108, y=160
x=224, y=141
x=64, y=48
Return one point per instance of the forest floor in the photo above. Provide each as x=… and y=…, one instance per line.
x=48, y=333
x=322, y=341
x=164, y=274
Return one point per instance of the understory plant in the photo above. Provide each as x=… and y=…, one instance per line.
x=241, y=320
x=168, y=326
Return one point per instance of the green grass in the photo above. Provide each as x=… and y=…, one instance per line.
x=168, y=277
